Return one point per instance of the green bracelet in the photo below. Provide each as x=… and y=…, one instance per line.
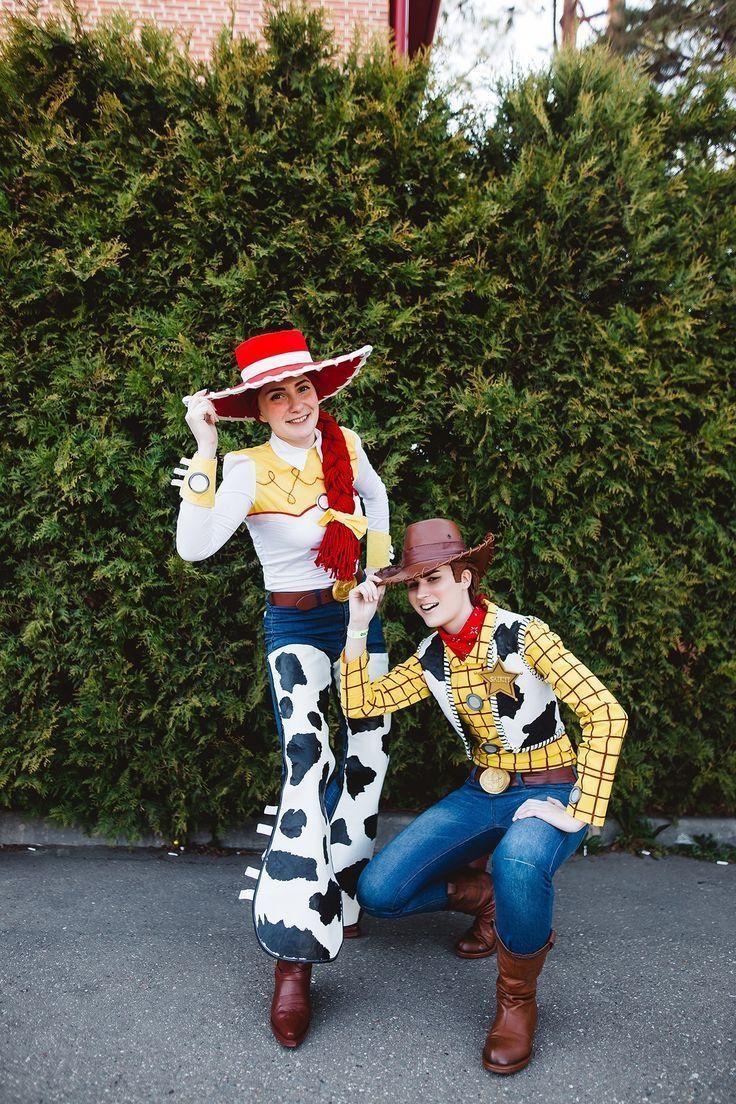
x=357, y=634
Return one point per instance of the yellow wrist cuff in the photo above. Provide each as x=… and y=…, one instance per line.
x=198, y=483
x=377, y=550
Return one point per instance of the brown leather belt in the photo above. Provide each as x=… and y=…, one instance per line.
x=303, y=600
x=548, y=777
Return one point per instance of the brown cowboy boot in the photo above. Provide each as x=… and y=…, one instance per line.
x=471, y=891
x=290, y=1006
x=509, y=1044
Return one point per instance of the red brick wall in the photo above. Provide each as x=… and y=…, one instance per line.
x=202, y=19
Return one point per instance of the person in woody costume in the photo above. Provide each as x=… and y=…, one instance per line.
x=529, y=798
x=298, y=496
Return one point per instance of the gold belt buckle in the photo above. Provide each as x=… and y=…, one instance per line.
x=341, y=589
x=494, y=780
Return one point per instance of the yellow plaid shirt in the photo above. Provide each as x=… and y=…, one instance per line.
x=602, y=720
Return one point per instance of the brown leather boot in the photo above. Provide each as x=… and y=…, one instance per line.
x=509, y=1044
x=471, y=891
x=290, y=1006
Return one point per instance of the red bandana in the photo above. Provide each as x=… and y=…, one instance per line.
x=463, y=642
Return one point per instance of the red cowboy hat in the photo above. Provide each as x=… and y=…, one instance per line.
x=272, y=357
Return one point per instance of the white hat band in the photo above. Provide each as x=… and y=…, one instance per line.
x=273, y=363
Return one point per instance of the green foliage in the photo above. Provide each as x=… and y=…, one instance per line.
x=552, y=312
x=607, y=394
x=709, y=849
x=672, y=36
x=643, y=839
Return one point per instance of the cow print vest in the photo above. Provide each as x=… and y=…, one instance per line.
x=531, y=721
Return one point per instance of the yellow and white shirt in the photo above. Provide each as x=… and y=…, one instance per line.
x=278, y=491
x=602, y=720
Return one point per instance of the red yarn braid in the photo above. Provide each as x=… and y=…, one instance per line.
x=339, y=551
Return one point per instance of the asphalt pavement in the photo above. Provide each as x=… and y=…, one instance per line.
x=132, y=977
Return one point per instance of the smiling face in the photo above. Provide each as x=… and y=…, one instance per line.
x=291, y=409
x=440, y=600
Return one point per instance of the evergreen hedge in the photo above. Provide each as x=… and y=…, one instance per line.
x=551, y=303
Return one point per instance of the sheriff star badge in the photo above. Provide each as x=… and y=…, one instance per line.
x=499, y=681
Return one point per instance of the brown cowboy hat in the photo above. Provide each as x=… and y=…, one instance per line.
x=432, y=544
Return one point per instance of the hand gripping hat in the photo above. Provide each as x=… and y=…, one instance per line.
x=272, y=357
x=432, y=544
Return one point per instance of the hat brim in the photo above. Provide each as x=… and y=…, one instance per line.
x=479, y=556
x=330, y=376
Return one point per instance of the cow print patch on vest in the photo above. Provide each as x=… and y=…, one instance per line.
x=509, y=707
x=433, y=658
x=506, y=638
x=542, y=728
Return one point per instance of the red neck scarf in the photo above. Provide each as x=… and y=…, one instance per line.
x=463, y=642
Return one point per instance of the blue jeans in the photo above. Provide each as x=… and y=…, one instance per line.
x=410, y=875
x=324, y=628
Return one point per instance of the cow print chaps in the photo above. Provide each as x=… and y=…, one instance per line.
x=306, y=889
